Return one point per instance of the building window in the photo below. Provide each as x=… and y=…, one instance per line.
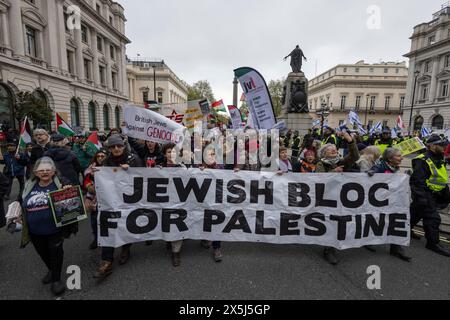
x=418, y=123
x=444, y=90
x=98, y=8
x=99, y=44
x=92, y=116
x=31, y=41
x=371, y=70
x=106, y=117
x=424, y=93
x=358, y=102
x=114, y=80
x=373, y=100
x=402, y=102
x=84, y=34
x=66, y=18
x=345, y=69
x=387, y=103
x=431, y=40
x=357, y=70
x=145, y=96
x=110, y=20
x=74, y=113
x=112, y=51
x=87, y=74
x=447, y=61
x=397, y=70
x=101, y=70
x=386, y=70
x=385, y=123
x=160, y=97
x=426, y=66
x=343, y=102
x=117, y=112
x=438, y=122
x=70, y=64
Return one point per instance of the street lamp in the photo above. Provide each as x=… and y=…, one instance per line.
x=323, y=112
x=416, y=75
x=154, y=83
x=367, y=110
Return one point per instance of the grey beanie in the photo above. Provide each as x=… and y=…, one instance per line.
x=115, y=140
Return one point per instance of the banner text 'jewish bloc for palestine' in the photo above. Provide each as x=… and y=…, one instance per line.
x=337, y=210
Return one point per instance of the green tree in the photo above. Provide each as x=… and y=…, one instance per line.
x=276, y=92
x=33, y=105
x=201, y=90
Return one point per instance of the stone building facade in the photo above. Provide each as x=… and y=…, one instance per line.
x=429, y=73
x=375, y=91
x=78, y=70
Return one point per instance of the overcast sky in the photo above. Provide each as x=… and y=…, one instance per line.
x=208, y=39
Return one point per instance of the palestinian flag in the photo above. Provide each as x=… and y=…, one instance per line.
x=63, y=128
x=219, y=106
x=25, y=134
x=93, y=145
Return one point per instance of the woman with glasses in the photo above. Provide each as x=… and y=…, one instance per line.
x=39, y=226
x=91, y=198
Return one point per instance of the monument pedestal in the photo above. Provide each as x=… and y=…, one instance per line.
x=301, y=122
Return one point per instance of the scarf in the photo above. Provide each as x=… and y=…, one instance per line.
x=285, y=166
x=331, y=162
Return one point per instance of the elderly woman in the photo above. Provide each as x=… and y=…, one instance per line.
x=370, y=157
x=41, y=146
x=39, y=226
x=331, y=161
x=392, y=158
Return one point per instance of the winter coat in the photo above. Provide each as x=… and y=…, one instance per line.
x=83, y=157
x=347, y=162
x=67, y=164
x=14, y=167
x=38, y=152
x=67, y=231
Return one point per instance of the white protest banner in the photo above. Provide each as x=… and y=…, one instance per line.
x=148, y=125
x=236, y=117
x=185, y=113
x=258, y=98
x=337, y=210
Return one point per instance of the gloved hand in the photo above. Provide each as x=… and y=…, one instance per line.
x=371, y=173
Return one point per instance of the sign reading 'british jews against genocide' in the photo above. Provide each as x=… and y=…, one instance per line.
x=336, y=210
x=148, y=125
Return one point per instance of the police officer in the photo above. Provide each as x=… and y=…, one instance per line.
x=430, y=192
x=329, y=137
x=385, y=141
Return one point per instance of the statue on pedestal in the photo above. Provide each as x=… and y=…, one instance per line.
x=296, y=59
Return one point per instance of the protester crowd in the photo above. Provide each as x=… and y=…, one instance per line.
x=54, y=162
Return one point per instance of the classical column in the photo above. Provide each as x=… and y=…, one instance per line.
x=51, y=42
x=63, y=63
x=108, y=64
x=122, y=62
x=5, y=30
x=16, y=29
x=433, y=88
x=95, y=64
x=79, y=56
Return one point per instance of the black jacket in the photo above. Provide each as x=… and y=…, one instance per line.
x=420, y=192
x=67, y=163
x=38, y=152
x=131, y=159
